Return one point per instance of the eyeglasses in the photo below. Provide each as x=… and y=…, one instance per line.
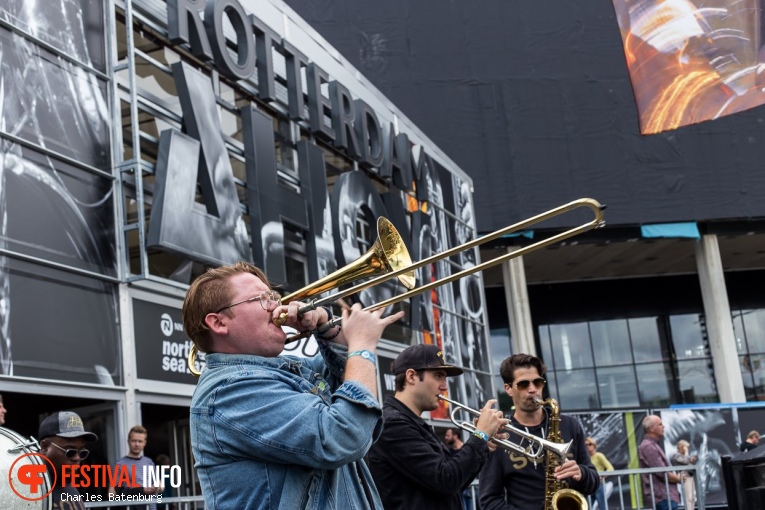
x=72, y=453
x=524, y=385
x=588, y=444
x=268, y=300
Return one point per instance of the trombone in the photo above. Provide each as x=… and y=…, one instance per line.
x=537, y=445
x=596, y=222
x=390, y=244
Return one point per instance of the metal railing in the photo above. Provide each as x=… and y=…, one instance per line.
x=627, y=490
x=631, y=494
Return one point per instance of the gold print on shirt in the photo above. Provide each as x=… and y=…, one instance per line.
x=520, y=461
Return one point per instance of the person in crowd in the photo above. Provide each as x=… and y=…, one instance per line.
x=272, y=431
x=137, y=438
x=601, y=464
x=3, y=410
x=167, y=491
x=682, y=458
x=411, y=467
x=515, y=481
x=454, y=442
x=62, y=441
x=752, y=441
x=452, y=439
x=659, y=489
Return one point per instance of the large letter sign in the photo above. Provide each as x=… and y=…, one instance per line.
x=215, y=234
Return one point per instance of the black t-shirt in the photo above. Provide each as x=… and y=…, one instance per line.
x=746, y=446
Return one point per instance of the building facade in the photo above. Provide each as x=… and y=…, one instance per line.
x=143, y=141
x=541, y=105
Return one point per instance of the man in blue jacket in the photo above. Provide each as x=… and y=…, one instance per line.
x=271, y=431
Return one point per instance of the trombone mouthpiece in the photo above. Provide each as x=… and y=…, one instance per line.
x=279, y=321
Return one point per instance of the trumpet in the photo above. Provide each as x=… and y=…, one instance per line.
x=537, y=445
x=389, y=259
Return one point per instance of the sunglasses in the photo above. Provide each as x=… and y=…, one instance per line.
x=588, y=444
x=71, y=453
x=539, y=383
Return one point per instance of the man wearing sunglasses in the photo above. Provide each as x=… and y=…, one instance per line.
x=273, y=431
x=513, y=481
x=62, y=441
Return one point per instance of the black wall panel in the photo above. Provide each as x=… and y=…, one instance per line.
x=533, y=100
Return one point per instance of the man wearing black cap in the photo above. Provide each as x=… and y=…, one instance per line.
x=62, y=441
x=411, y=467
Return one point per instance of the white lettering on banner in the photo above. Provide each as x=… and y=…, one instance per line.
x=390, y=382
x=168, y=325
x=156, y=476
x=174, y=356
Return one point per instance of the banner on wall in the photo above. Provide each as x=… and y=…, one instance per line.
x=692, y=60
x=712, y=432
x=161, y=347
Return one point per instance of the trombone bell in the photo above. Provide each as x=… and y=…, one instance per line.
x=388, y=254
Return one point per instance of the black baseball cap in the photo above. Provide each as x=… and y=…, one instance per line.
x=64, y=424
x=423, y=356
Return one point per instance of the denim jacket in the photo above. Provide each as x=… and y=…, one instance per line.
x=284, y=432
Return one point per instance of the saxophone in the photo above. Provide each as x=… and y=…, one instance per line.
x=557, y=494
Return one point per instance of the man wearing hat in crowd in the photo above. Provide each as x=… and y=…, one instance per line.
x=62, y=441
x=411, y=467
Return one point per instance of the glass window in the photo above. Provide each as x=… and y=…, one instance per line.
x=745, y=364
x=758, y=375
x=57, y=212
x=544, y=344
x=75, y=27
x=644, y=333
x=577, y=389
x=77, y=341
x=55, y=104
x=552, y=385
x=571, y=345
x=499, y=341
x=739, y=333
x=611, y=342
x=697, y=382
x=754, y=327
x=617, y=387
x=655, y=384
x=688, y=336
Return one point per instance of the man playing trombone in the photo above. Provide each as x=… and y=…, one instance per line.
x=271, y=431
x=513, y=481
x=411, y=467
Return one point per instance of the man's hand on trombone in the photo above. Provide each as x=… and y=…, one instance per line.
x=307, y=321
x=361, y=328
